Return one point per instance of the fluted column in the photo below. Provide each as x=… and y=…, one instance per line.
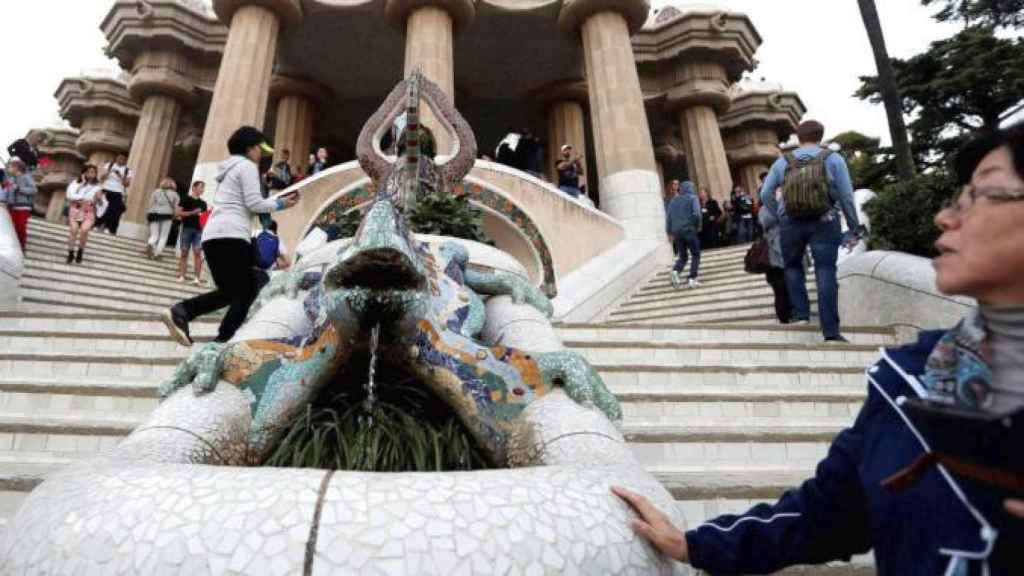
x=750, y=176
x=700, y=95
x=55, y=208
x=566, y=125
x=149, y=157
x=243, y=83
x=430, y=27
x=296, y=101
x=100, y=158
x=629, y=184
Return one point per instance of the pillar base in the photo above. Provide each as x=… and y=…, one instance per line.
x=633, y=197
x=133, y=230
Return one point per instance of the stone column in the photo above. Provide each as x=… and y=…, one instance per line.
x=700, y=95
x=430, y=27
x=750, y=177
x=296, y=112
x=566, y=123
x=55, y=208
x=243, y=83
x=160, y=83
x=629, y=185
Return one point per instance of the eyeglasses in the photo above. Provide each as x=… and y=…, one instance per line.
x=969, y=194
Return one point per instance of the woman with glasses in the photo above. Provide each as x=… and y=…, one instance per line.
x=931, y=475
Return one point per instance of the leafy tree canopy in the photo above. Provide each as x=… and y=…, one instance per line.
x=1001, y=13
x=962, y=84
x=871, y=165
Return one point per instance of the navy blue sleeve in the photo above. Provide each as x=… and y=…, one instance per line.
x=825, y=519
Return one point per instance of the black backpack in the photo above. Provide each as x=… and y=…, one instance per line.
x=22, y=149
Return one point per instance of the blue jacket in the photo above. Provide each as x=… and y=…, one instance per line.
x=942, y=522
x=683, y=213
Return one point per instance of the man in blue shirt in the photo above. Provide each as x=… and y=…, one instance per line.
x=822, y=234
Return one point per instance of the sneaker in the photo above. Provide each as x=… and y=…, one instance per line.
x=837, y=339
x=693, y=283
x=675, y=279
x=78, y=256
x=149, y=251
x=177, y=325
x=181, y=279
x=199, y=282
x=800, y=322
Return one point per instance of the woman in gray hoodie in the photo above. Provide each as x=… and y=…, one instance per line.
x=226, y=239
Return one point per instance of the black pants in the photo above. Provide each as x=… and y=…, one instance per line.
x=783, y=306
x=231, y=262
x=112, y=217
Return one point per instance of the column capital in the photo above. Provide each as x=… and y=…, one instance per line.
x=575, y=12
x=462, y=12
x=281, y=85
x=289, y=11
x=699, y=83
x=564, y=91
x=149, y=80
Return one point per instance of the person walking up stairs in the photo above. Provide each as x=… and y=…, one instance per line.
x=683, y=221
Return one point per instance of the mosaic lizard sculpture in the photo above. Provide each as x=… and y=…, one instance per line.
x=424, y=297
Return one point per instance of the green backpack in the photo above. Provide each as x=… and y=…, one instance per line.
x=806, y=186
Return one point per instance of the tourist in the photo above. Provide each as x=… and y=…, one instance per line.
x=191, y=234
x=318, y=163
x=683, y=225
x=570, y=168
x=728, y=227
x=82, y=196
x=163, y=206
x=776, y=275
x=711, y=214
x=931, y=520
x=280, y=175
x=743, y=204
x=226, y=235
x=27, y=149
x=271, y=254
x=20, y=194
x=116, y=178
x=823, y=188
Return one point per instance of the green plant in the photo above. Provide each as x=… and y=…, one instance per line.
x=446, y=214
x=406, y=430
x=902, y=214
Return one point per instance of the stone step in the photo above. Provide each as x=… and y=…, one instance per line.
x=98, y=324
x=692, y=301
x=124, y=271
x=106, y=285
x=740, y=311
x=116, y=297
x=771, y=446
x=167, y=262
x=703, y=354
x=652, y=379
x=113, y=278
x=87, y=302
x=748, y=281
x=766, y=332
x=702, y=294
x=47, y=366
x=102, y=242
x=101, y=237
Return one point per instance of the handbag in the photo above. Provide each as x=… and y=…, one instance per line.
x=758, y=260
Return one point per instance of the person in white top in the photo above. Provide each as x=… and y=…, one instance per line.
x=116, y=179
x=82, y=196
x=163, y=205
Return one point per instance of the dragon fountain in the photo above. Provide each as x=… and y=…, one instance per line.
x=184, y=493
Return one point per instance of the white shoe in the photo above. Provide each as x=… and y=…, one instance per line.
x=181, y=279
x=675, y=279
x=693, y=283
x=800, y=323
x=199, y=282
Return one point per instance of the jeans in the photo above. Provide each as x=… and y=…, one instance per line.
x=112, y=217
x=776, y=278
x=744, y=230
x=570, y=190
x=824, y=238
x=232, y=264
x=159, y=230
x=686, y=242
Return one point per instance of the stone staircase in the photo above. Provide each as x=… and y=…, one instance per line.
x=723, y=405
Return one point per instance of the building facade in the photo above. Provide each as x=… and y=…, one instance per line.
x=648, y=95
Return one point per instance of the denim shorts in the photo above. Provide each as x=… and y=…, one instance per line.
x=191, y=239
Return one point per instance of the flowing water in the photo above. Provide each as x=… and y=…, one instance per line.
x=371, y=393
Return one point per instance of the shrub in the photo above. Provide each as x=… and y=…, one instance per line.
x=902, y=214
x=447, y=215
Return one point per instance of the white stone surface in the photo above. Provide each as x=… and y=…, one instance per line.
x=518, y=326
x=634, y=198
x=11, y=262
x=881, y=288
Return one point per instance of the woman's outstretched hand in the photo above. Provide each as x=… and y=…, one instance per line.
x=655, y=526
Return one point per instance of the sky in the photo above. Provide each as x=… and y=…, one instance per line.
x=60, y=38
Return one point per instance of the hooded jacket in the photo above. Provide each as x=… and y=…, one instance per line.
x=942, y=524
x=236, y=200
x=683, y=214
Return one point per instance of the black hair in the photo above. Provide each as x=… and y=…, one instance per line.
x=244, y=138
x=272, y=226
x=974, y=151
